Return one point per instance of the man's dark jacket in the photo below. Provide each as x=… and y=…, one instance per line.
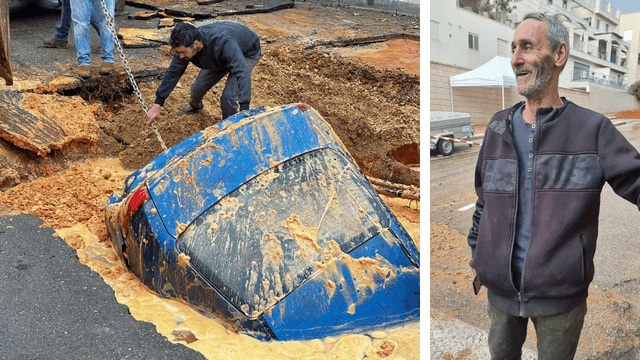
x=575, y=151
x=226, y=45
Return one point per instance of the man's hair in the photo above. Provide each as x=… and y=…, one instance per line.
x=556, y=32
x=184, y=34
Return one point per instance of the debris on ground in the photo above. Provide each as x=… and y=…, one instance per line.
x=628, y=114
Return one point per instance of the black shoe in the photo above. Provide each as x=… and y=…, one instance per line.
x=188, y=110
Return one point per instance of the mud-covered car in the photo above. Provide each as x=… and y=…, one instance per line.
x=266, y=221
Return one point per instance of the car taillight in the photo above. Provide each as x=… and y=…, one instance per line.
x=138, y=199
x=303, y=107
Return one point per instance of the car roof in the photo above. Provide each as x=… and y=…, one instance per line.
x=228, y=155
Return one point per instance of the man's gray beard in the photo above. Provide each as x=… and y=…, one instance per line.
x=539, y=84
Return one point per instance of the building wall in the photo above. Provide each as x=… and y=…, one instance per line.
x=632, y=22
x=604, y=101
x=449, y=31
x=579, y=97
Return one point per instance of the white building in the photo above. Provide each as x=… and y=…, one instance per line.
x=630, y=30
x=599, y=56
x=463, y=38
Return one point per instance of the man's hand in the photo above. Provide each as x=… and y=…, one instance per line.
x=153, y=113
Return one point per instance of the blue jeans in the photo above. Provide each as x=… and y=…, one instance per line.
x=207, y=78
x=61, y=32
x=81, y=16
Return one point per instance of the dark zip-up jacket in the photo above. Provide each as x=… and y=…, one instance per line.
x=575, y=151
x=226, y=45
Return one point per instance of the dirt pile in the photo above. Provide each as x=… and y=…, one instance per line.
x=628, y=114
x=375, y=111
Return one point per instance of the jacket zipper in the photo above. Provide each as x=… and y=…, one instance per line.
x=513, y=237
x=524, y=266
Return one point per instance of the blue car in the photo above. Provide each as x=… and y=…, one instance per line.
x=266, y=221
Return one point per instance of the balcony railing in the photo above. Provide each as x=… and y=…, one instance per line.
x=615, y=12
x=603, y=80
x=588, y=4
x=607, y=8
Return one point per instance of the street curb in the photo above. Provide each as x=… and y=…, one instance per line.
x=398, y=7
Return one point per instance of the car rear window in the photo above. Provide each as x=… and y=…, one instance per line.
x=263, y=240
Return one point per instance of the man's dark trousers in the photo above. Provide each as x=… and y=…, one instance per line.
x=558, y=335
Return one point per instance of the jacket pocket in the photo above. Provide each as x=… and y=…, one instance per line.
x=583, y=257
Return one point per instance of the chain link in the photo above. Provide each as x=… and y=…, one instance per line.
x=136, y=89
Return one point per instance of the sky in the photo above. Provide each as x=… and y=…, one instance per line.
x=626, y=6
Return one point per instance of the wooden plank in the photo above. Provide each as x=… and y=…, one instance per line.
x=145, y=15
x=23, y=129
x=41, y=123
x=5, y=44
x=207, y=9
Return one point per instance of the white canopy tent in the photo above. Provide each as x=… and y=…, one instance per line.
x=496, y=72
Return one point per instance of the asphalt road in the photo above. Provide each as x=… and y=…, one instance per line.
x=617, y=263
x=35, y=24
x=53, y=307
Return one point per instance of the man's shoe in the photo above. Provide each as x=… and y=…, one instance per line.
x=188, y=110
x=84, y=71
x=55, y=44
x=106, y=68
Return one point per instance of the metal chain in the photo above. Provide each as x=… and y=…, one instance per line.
x=112, y=27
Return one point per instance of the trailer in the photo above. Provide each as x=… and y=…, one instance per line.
x=452, y=125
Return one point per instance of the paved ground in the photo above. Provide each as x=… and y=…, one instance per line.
x=53, y=307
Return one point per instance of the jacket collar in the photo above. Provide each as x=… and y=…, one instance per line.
x=503, y=123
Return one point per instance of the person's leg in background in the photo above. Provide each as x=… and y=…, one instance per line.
x=106, y=37
x=81, y=16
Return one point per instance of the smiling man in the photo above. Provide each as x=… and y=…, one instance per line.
x=218, y=49
x=534, y=230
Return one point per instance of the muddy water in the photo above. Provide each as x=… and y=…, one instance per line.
x=73, y=204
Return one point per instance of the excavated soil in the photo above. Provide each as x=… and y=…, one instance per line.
x=375, y=111
x=628, y=114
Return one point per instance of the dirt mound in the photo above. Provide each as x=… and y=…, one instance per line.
x=374, y=111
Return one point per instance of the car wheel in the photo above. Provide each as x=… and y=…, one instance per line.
x=445, y=147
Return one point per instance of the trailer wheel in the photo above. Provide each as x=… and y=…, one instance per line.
x=445, y=147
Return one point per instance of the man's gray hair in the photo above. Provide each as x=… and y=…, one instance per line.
x=556, y=32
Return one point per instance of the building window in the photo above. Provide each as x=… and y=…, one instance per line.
x=588, y=20
x=597, y=23
x=503, y=48
x=473, y=41
x=580, y=71
x=565, y=4
x=550, y=2
x=435, y=30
